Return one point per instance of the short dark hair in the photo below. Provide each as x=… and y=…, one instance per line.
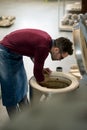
x=64, y=44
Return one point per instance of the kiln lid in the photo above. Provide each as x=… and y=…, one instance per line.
x=80, y=44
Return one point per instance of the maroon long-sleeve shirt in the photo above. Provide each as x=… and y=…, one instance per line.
x=32, y=43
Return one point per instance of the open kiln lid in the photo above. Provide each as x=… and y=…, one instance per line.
x=80, y=44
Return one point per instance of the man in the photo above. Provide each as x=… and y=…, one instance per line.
x=36, y=44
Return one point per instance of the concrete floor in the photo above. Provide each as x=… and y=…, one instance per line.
x=34, y=14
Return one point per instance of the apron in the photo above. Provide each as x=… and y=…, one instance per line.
x=13, y=78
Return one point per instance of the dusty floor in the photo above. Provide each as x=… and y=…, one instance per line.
x=3, y=115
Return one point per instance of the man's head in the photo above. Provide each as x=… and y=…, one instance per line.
x=62, y=47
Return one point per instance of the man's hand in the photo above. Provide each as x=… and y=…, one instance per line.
x=46, y=79
x=47, y=71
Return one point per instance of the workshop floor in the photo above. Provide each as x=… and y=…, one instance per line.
x=31, y=14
